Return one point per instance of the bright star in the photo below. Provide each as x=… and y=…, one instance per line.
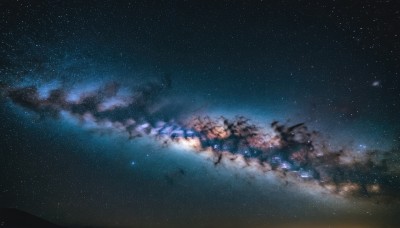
x=376, y=83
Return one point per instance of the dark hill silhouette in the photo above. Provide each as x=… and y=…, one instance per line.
x=10, y=217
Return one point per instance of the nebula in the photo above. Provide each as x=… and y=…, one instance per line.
x=291, y=151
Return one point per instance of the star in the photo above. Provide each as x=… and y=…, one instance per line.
x=376, y=83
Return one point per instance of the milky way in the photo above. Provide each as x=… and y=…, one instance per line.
x=290, y=151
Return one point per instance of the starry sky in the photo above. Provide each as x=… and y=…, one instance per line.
x=215, y=113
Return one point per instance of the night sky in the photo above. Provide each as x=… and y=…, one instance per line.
x=223, y=113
